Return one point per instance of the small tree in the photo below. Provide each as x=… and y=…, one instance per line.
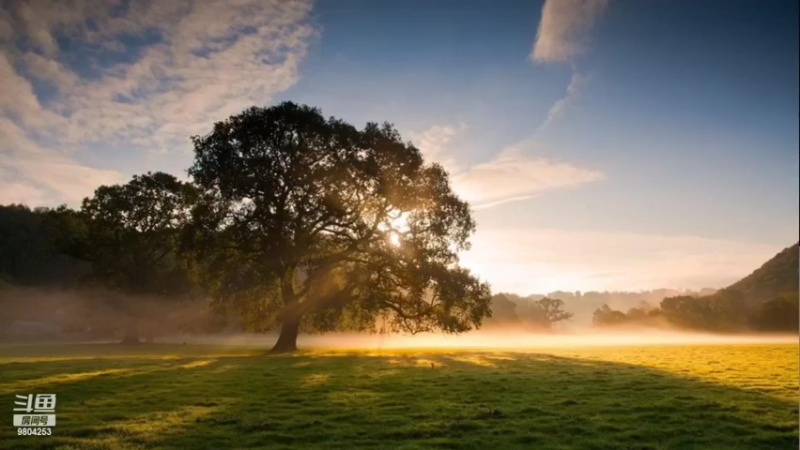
x=607, y=317
x=504, y=311
x=548, y=311
x=312, y=223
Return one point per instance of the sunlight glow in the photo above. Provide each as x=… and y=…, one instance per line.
x=400, y=223
x=513, y=340
x=395, y=227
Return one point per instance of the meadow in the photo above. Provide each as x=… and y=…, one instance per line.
x=220, y=397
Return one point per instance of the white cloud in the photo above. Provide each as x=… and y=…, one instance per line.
x=38, y=176
x=50, y=70
x=13, y=192
x=18, y=100
x=502, y=201
x=563, y=30
x=435, y=142
x=71, y=180
x=517, y=174
x=562, y=35
x=576, y=84
x=514, y=174
x=208, y=59
x=543, y=260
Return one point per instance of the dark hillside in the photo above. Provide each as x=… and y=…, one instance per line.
x=777, y=276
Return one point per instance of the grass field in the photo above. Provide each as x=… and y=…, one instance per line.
x=205, y=397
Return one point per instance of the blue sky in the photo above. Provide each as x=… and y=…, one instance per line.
x=604, y=144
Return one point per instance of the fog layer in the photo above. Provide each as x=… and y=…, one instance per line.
x=498, y=340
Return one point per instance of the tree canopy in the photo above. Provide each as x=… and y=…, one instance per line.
x=131, y=235
x=29, y=250
x=309, y=222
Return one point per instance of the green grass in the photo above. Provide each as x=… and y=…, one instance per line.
x=203, y=397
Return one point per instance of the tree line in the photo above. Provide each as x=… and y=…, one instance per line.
x=725, y=312
x=765, y=301
x=290, y=221
x=534, y=314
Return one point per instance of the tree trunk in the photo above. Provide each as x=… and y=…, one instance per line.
x=287, y=341
x=131, y=337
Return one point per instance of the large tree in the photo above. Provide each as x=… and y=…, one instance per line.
x=307, y=222
x=132, y=236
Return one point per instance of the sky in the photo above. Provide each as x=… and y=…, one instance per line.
x=603, y=144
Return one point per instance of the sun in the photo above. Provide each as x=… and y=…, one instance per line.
x=395, y=227
x=400, y=223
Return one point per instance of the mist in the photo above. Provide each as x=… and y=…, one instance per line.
x=489, y=340
x=31, y=314
x=37, y=315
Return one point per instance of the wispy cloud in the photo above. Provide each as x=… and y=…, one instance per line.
x=528, y=260
x=434, y=143
x=576, y=84
x=562, y=36
x=564, y=29
x=37, y=175
x=15, y=192
x=195, y=62
x=516, y=173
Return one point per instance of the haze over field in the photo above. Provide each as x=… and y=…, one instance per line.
x=512, y=340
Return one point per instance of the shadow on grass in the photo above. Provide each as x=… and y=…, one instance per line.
x=398, y=401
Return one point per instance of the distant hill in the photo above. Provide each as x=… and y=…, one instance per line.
x=777, y=276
